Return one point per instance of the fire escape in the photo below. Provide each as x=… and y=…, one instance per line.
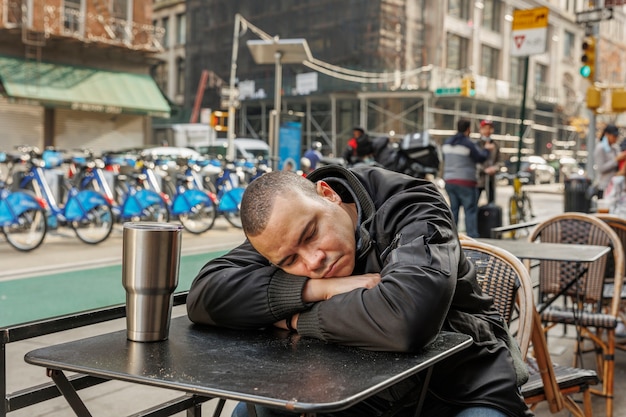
x=87, y=21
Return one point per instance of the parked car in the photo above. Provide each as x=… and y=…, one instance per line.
x=533, y=170
x=252, y=150
x=569, y=167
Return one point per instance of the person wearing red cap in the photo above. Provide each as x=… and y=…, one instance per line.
x=487, y=170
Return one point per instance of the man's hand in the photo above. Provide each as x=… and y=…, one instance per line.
x=325, y=288
x=490, y=146
x=490, y=170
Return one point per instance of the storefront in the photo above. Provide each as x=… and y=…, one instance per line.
x=46, y=104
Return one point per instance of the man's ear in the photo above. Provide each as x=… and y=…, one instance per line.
x=324, y=190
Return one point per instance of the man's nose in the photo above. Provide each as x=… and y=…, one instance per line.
x=314, y=259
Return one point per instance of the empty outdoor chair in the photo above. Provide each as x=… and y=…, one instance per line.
x=578, y=288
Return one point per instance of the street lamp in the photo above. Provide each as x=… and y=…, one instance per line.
x=278, y=51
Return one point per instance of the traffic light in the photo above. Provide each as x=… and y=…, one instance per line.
x=218, y=121
x=594, y=98
x=467, y=86
x=618, y=100
x=588, y=69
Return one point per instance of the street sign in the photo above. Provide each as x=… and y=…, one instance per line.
x=227, y=91
x=451, y=91
x=529, y=31
x=594, y=15
x=225, y=103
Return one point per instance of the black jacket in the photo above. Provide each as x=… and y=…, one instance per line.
x=407, y=234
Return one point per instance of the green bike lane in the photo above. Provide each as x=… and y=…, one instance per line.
x=44, y=296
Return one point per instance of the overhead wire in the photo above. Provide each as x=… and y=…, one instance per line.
x=335, y=71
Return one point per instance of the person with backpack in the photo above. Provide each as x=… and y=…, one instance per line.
x=359, y=148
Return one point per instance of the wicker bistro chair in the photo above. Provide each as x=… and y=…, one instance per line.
x=618, y=224
x=504, y=277
x=582, y=287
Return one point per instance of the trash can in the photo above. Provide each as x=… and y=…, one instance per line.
x=575, y=196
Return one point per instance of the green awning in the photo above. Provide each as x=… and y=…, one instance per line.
x=80, y=88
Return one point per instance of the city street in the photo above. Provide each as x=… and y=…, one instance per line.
x=62, y=255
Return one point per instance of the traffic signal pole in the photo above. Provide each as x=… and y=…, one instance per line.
x=591, y=132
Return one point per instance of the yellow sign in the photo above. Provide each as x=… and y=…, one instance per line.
x=530, y=19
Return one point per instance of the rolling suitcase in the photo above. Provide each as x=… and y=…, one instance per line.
x=489, y=216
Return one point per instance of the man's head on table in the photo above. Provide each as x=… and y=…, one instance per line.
x=302, y=227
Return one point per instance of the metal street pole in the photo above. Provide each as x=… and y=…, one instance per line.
x=230, y=153
x=591, y=132
x=277, y=106
x=522, y=115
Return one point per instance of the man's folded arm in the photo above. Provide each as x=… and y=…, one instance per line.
x=242, y=290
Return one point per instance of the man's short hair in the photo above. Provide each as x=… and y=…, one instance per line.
x=462, y=125
x=258, y=199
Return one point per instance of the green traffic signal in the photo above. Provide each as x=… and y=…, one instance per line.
x=588, y=59
x=585, y=71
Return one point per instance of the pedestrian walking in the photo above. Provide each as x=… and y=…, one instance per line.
x=460, y=156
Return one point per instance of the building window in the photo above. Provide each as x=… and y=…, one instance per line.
x=166, y=32
x=181, y=29
x=160, y=76
x=180, y=71
x=122, y=18
x=569, y=48
x=491, y=15
x=517, y=70
x=490, y=62
x=460, y=8
x=457, y=52
x=541, y=74
x=71, y=14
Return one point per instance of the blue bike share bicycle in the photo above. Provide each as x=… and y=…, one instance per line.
x=22, y=215
x=193, y=205
x=87, y=212
x=134, y=199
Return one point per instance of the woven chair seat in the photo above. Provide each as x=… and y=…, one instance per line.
x=566, y=377
x=581, y=318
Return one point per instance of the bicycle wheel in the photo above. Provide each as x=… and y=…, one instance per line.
x=230, y=205
x=27, y=231
x=95, y=226
x=526, y=212
x=200, y=218
x=155, y=213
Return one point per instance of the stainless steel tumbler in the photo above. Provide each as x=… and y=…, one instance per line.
x=150, y=262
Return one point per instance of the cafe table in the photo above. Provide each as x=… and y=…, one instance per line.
x=272, y=368
x=540, y=251
x=544, y=251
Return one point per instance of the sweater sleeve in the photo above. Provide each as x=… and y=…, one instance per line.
x=242, y=290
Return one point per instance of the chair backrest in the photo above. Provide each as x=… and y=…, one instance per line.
x=618, y=224
x=502, y=276
x=578, y=228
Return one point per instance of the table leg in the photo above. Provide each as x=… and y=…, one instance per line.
x=420, y=402
x=69, y=393
x=562, y=291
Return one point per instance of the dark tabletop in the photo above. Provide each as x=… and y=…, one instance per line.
x=567, y=252
x=271, y=367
